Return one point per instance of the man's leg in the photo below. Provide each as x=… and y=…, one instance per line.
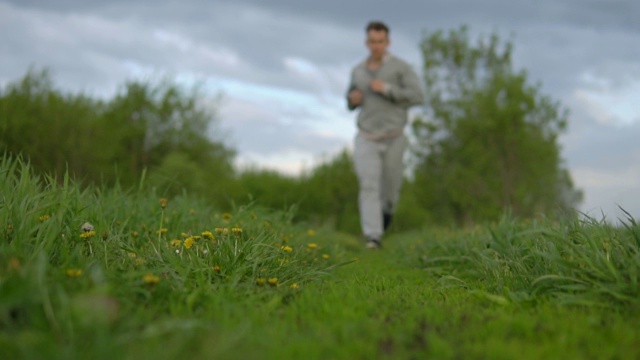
x=368, y=163
x=392, y=175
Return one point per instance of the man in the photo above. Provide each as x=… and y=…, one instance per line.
x=383, y=87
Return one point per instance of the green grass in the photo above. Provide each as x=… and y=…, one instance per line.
x=525, y=290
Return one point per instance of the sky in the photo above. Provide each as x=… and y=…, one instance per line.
x=282, y=68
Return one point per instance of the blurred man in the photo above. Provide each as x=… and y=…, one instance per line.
x=383, y=87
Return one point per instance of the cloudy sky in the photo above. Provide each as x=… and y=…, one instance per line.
x=283, y=67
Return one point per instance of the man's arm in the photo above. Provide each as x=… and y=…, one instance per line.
x=408, y=92
x=354, y=96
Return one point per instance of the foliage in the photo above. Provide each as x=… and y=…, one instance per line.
x=581, y=262
x=87, y=260
x=249, y=284
x=489, y=143
x=154, y=127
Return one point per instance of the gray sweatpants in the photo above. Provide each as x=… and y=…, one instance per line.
x=379, y=167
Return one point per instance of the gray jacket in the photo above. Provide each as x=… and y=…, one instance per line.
x=385, y=113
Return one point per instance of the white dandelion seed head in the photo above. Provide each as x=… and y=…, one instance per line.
x=86, y=227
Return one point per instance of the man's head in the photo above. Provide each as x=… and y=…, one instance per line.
x=377, y=39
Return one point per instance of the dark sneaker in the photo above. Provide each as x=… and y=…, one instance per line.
x=386, y=220
x=373, y=244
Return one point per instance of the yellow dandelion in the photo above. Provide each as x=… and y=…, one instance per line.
x=135, y=234
x=312, y=246
x=260, y=281
x=88, y=234
x=162, y=231
x=325, y=256
x=184, y=235
x=216, y=268
x=164, y=202
x=222, y=231
x=150, y=279
x=273, y=281
x=44, y=218
x=227, y=216
x=236, y=231
x=208, y=235
x=287, y=248
x=295, y=286
x=188, y=243
x=196, y=237
x=74, y=272
x=176, y=243
x=311, y=232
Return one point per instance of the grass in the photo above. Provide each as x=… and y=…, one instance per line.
x=176, y=279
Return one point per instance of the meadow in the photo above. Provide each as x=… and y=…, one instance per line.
x=112, y=273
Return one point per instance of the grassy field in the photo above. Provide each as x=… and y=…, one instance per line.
x=158, y=278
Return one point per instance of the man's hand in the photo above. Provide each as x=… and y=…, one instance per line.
x=377, y=85
x=355, y=97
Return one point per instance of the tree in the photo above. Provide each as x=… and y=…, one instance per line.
x=490, y=140
x=158, y=126
x=148, y=122
x=51, y=129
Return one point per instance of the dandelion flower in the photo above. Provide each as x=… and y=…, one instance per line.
x=208, y=235
x=227, y=216
x=312, y=246
x=164, y=202
x=150, y=279
x=273, y=281
x=44, y=218
x=260, y=281
x=74, y=272
x=236, y=231
x=162, y=231
x=135, y=234
x=216, y=268
x=176, y=243
x=295, y=286
x=287, y=248
x=325, y=256
x=311, y=232
x=188, y=243
x=222, y=230
x=88, y=234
